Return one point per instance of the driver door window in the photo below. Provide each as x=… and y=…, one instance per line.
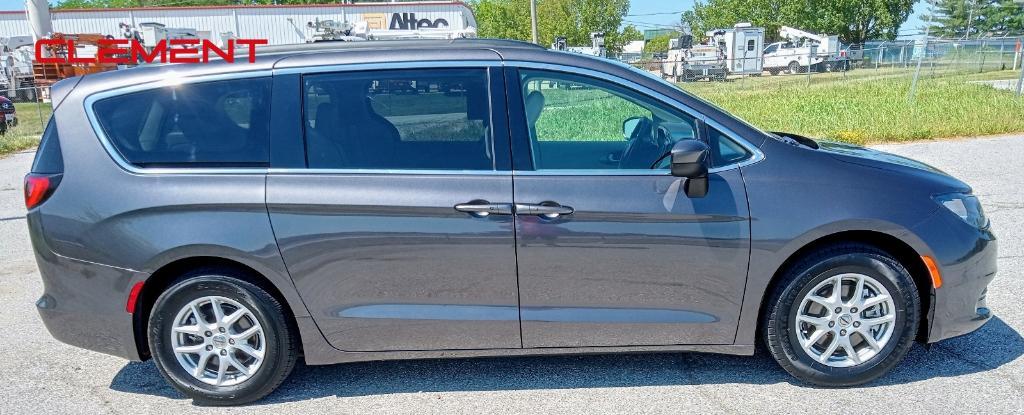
x=581, y=123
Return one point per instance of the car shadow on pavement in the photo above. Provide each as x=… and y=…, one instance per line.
x=992, y=346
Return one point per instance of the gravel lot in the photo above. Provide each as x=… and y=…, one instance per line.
x=979, y=373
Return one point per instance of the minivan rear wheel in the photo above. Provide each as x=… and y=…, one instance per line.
x=842, y=316
x=221, y=340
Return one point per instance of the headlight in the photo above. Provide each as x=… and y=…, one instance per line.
x=966, y=206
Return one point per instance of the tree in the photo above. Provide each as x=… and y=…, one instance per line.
x=630, y=33
x=503, y=19
x=974, y=18
x=1008, y=18
x=577, y=19
x=723, y=14
x=857, y=21
x=658, y=44
x=574, y=19
x=854, y=21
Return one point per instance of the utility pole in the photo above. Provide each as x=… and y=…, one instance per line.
x=533, y=19
x=970, y=19
x=920, y=59
x=1020, y=51
x=1020, y=81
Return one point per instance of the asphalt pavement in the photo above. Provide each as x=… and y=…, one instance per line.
x=979, y=373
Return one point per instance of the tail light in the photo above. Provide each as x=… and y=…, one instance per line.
x=39, y=187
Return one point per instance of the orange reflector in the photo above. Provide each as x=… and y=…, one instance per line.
x=133, y=297
x=933, y=270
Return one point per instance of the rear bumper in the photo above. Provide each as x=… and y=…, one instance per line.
x=83, y=304
x=967, y=261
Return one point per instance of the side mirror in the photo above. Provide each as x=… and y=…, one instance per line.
x=690, y=160
x=629, y=127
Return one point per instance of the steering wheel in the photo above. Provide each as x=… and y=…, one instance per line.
x=644, y=146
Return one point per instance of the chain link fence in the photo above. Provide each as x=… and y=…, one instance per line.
x=1000, y=57
x=25, y=115
x=876, y=92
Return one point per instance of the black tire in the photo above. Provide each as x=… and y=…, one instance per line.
x=774, y=72
x=794, y=67
x=780, y=335
x=281, y=342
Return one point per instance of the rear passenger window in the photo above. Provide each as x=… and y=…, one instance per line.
x=438, y=119
x=210, y=124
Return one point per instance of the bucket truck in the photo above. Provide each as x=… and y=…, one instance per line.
x=16, y=56
x=802, y=50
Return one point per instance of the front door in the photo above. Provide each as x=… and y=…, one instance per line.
x=611, y=251
x=399, y=234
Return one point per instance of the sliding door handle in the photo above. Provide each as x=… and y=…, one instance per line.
x=548, y=210
x=483, y=208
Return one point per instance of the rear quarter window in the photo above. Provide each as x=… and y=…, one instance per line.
x=48, y=157
x=210, y=124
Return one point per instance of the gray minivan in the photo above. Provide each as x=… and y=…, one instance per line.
x=423, y=199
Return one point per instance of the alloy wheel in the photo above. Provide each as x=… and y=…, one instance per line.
x=218, y=341
x=845, y=320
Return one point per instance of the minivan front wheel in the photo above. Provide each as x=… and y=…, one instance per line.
x=221, y=340
x=842, y=316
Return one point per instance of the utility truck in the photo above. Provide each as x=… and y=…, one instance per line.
x=596, y=47
x=16, y=56
x=335, y=30
x=686, y=62
x=734, y=51
x=802, y=51
x=742, y=46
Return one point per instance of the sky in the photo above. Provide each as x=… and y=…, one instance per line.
x=644, y=14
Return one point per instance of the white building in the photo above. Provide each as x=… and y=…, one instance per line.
x=633, y=51
x=277, y=24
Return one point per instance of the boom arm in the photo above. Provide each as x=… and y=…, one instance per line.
x=15, y=42
x=794, y=35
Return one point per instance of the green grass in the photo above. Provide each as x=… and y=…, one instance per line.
x=869, y=106
x=31, y=120
x=584, y=115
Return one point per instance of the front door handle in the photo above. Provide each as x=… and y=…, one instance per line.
x=548, y=210
x=483, y=208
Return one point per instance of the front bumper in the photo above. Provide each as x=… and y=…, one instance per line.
x=966, y=259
